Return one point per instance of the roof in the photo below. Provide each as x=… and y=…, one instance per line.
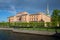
x=10, y=16
x=22, y=12
x=37, y=13
x=26, y=13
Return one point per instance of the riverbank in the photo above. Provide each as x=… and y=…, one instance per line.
x=29, y=31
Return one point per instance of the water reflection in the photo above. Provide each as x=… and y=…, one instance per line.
x=9, y=35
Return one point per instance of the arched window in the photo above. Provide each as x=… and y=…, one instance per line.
x=20, y=19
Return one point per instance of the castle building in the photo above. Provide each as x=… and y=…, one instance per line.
x=26, y=17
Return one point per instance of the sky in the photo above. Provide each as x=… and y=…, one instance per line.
x=12, y=7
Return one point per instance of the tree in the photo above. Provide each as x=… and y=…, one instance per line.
x=55, y=17
x=48, y=24
x=59, y=17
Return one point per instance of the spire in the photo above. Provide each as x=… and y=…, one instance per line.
x=47, y=10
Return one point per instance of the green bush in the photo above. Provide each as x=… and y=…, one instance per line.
x=48, y=24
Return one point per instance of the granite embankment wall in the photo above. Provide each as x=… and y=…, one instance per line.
x=29, y=31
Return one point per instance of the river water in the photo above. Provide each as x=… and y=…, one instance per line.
x=10, y=35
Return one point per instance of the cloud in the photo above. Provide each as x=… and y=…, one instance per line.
x=13, y=9
x=36, y=4
x=4, y=4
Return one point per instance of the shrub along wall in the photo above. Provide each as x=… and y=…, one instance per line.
x=28, y=25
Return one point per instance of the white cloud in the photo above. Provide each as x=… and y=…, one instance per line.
x=13, y=10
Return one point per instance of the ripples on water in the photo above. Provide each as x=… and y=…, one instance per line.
x=9, y=35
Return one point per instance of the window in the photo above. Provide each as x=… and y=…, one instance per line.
x=19, y=19
x=35, y=19
x=24, y=19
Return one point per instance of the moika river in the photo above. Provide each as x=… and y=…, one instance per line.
x=10, y=35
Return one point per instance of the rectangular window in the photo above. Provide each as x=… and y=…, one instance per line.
x=24, y=19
